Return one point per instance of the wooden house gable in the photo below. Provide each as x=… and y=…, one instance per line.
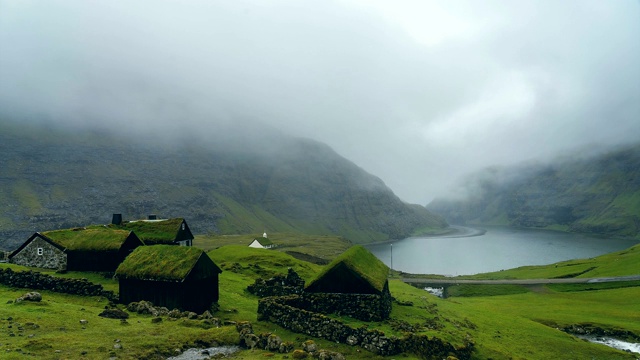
x=342, y=279
x=184, y=233
x=356, y=271
x=204, y=268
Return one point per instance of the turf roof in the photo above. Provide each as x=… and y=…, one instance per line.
x=364, y=263
x=159, y=262
x=157, y=231
x=263, y=241
x=91, y=238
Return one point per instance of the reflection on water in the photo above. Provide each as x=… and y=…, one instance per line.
x=499, y=248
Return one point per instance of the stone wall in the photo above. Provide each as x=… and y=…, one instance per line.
x=51, y=258
x=365, y=307
x=279, y=285
x=288, y=312
x=38, y=281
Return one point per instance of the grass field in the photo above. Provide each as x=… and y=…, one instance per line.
x=511, y=323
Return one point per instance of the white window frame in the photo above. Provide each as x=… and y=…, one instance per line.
x=40, y=251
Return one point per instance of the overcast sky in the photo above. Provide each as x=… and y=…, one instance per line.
x=417, y=93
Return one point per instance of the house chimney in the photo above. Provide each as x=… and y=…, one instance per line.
x=153, y=217
x=117, y=219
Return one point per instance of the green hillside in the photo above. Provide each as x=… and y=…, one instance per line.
x=232, y=183
x=525, y=325
x=599, y=195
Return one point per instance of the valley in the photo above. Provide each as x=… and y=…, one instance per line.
x=502, y=323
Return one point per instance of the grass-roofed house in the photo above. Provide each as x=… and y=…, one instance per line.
x=92, y=248
x=262, y=243
x=174, y=277
x=355, y=284
x=155, y=231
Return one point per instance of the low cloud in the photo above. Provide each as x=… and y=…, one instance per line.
x=417, y=93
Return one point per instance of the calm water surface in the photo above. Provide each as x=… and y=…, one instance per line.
x=499, y=248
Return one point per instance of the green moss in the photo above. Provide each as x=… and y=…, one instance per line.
x=154, y=231
x=159, y=262
x=364, y=263
x=93, y=238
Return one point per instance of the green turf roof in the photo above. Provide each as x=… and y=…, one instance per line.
x=159, y=262
x=263, y=241
x=156, y=231
x=364, y=263
x=91, y=238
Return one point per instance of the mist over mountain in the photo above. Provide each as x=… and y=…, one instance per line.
x=597, y=194
x=245, y=178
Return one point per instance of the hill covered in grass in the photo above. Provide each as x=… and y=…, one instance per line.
x=237, y=181
x=593, y=194
x=523, y=325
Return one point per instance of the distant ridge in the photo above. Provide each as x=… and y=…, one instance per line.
x=229, y=183
x=598, y=194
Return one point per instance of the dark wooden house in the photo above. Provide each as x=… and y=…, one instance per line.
x=160, y=231
x=171, y=276
x=357, y=272
x=93, y=248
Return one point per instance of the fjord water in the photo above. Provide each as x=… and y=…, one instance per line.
x=497, y=249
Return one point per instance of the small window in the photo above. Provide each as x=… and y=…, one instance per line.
x=182, y=226
x=40, y=251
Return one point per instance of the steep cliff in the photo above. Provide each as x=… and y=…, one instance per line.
x=229, y=183
x=598, y=194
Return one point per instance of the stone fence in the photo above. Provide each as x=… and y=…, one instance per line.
x=278, y=285
x=38, y=281
x=290, y=313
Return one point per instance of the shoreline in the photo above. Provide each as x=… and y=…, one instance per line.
x=453, y=231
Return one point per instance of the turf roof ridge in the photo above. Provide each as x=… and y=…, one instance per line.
x=363, y=262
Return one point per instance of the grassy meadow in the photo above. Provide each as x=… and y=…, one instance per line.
x=504, y=322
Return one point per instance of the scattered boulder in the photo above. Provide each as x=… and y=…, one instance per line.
x=114, y=314
x=286, y=347
x=299, y=354
x=352, y=340
x=30, y=296
x=273, y=343
x=328, y=355
x=141, y=307
x=309, y=346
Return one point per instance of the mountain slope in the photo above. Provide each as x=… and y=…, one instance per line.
x=598, y=195
x=53, y=178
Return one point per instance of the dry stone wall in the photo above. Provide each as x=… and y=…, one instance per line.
x=278, y=285
x=38, y=281
x=288, y=312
